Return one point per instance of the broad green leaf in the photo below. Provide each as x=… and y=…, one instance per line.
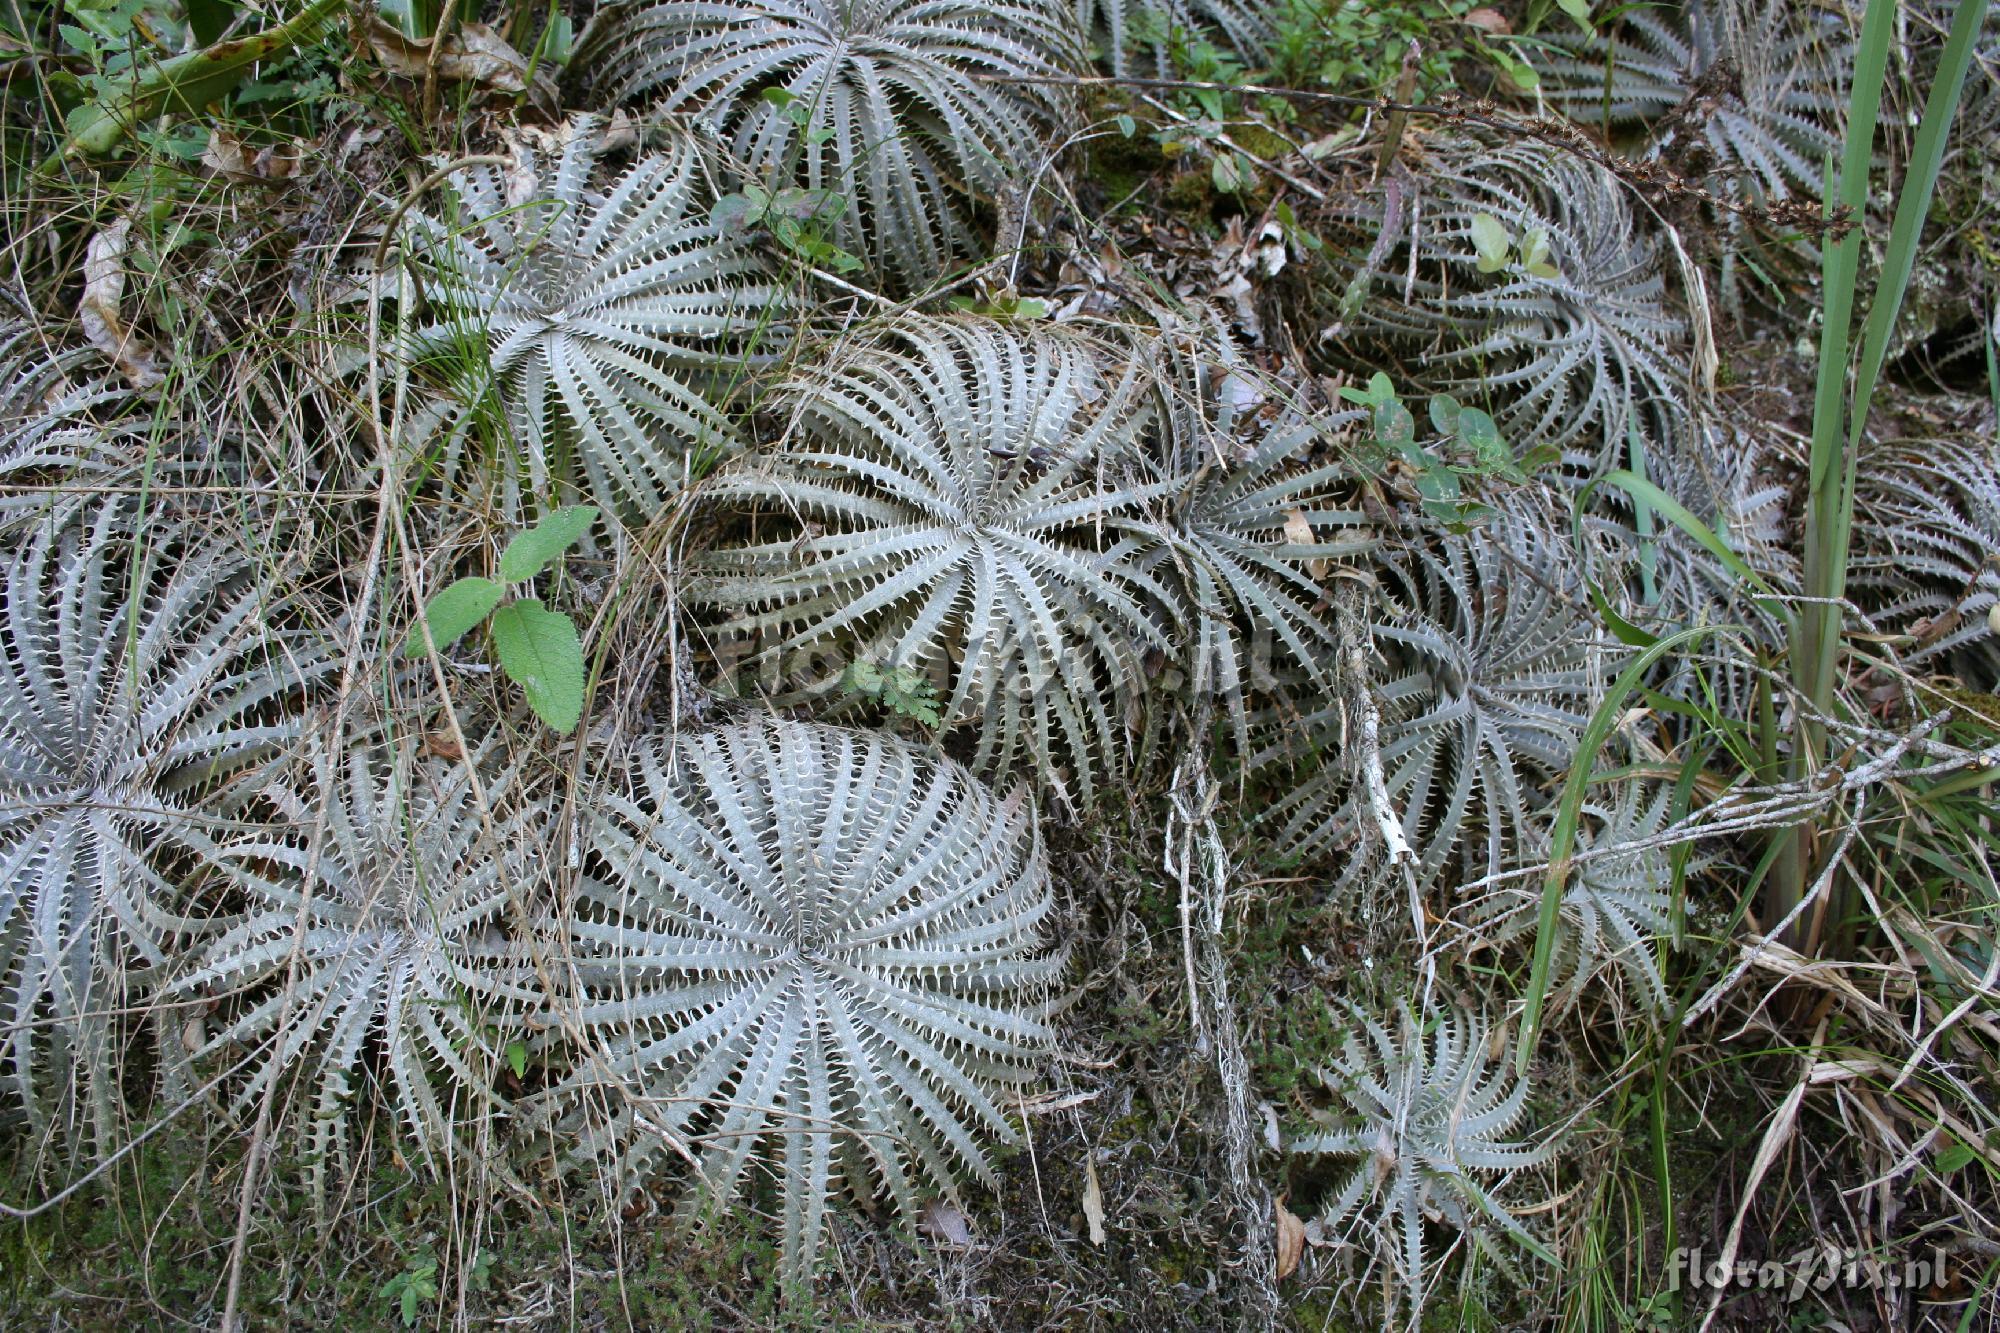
x=454, y=611
x=540, y=651
x=1395, y=428
x=1476, y=429
x=1489, y=238
x=1578, y=10
x=530, y=552
x=1127, y=126
x=807, y=205
x=1444, y=413
x=1438, y=485
x=1535, y=254
x=517, y=1058
x=209, y=19
x=182, y=84
x=734, y=214
x=1379, y=391
x=1956, y=1157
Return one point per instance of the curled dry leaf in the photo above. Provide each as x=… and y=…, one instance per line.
x=1299, y=532
x=103, y=291
x=229, y=156
x=1093, y=1203
x=472, y=54
x=944, y=1220
x=1291, y=1239
x=1488, y=20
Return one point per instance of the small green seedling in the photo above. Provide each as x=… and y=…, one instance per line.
x=1002, y=307
x=409, y=1289
x=796, y=218
x=901, y=690
x=538, y=649
x=1496, y=248
x=1463, y=433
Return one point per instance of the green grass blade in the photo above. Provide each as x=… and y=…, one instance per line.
x=1570, y=812
x=1812, y=661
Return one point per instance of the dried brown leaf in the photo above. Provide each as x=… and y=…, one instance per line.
x=99, y=310
x=1093, y=1203
x=1291, y=1239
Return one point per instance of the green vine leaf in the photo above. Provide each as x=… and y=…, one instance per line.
x=540, y=651
x=453, y=612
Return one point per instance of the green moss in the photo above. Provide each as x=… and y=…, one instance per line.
x=1190, y=191
x=1260, y=142
x=1120, y=166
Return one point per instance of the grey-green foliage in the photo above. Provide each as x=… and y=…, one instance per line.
x=1926, y=526
x=1615, y=910
x=1490, y=658
x=889, y=105
x=607, y=309
x=374, y=926
x=1137, y=37
x=42, y=387
x=1252, y=523
x=49, y=432
x=1772, y=75
x=1430, y=1119
x=1566, y=340
x=811, y=948
x=138, y=671
x=1738, y=485
x=949, y=498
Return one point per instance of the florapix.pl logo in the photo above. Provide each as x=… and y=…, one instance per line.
x=1818, y=1268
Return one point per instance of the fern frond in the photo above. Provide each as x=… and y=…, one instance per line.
x=138, y=669
x=607, y=315
x=1430, y=1123
x=886, y=103
x=385, y=941
x=815, y=949
x=946, y=500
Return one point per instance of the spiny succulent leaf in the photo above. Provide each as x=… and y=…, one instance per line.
x=817, y=948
